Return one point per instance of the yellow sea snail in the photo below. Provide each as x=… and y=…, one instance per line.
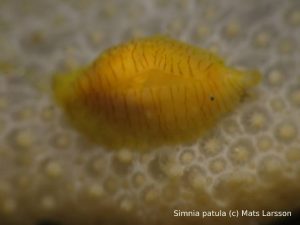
x=150, y=92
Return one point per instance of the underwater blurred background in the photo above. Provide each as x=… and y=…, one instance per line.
x=49, y=174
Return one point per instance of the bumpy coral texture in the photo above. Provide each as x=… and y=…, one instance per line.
x=250, y=160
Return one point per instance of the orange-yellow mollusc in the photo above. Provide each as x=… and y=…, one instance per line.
x=150, y=92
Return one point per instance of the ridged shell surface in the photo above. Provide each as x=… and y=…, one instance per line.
x=150, y=92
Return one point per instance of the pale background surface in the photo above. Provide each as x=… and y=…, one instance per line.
x=49, y=172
